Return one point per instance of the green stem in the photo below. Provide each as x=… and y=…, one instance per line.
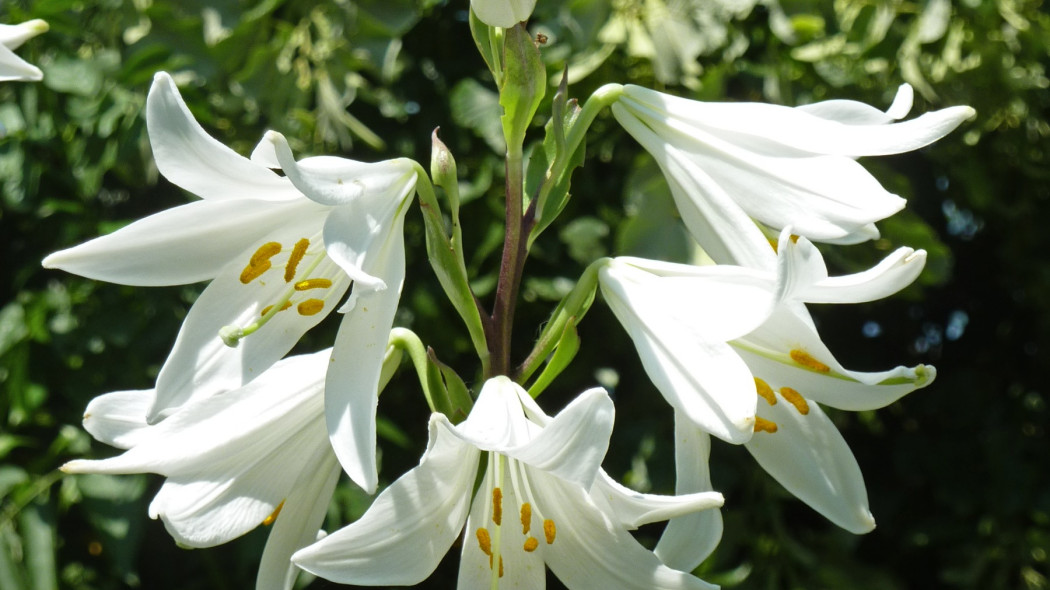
x=510, y=267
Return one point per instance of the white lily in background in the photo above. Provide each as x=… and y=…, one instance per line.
x=783, y=360
x=278, y=262
x=732, y=164
x=502, y=13
x=543, y=499
x=256, y=455
x=12, y=37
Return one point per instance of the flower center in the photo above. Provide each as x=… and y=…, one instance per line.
x=490, y=538
x=298, y=266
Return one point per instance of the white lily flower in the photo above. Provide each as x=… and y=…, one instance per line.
x=278, y=263
x=502, y=13
x=543, y=499
x=677, y=316
x=731, y=164
x=256, y=455
x=12, y=37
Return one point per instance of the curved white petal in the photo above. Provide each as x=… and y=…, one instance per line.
x=182, y=245
x=411, y=524
x=13, y=36
x=851, y=112
x=231, y=459
x=766, y=351
x=357, y=358
x=592, y=551
x=202, y=364
x=713, y=218
x=689, y=539
x=570, y=446
x=339, y=181
x=502, y=13
x=14, y=68
x=697, y=374
x=297, y=524
x=893, y=273
x=634, y=509
x=755, y=124
x=119, y=418
x=809, y=457
x=190, y=158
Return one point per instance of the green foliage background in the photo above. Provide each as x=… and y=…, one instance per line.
x=958, y=474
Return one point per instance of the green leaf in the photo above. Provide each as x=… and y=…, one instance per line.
x=524, y=84
x=477, y=108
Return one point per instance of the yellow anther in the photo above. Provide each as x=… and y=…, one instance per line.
x=763, y=425
x=531, y=544
x=254, y=271
x=793, y=238
x=273, y=516
x=313, y=284
x=283, y=307
x=773, y=243
x=765, y=391
x=500, y=566
x=497, y=506
x=310, y=307
x=795, y=398
x=548, y=530
x=298, y=251
x=803, y=358
x=485, y=543
x=526, y=518
x=265, y=253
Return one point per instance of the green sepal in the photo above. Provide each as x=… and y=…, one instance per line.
x=524, y=83
x=455, y=393
x=567, y=347
x=446, y=258
x=564, y=319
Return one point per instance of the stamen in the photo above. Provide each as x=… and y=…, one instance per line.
x=485, y=542
x=497, y=506
x=283, y=307
x=310, y=307
x=526, y=518
x=765, y=391
x=793, y=238
x=500, y=566
x=548, y=530
x=260, y=262
x=763, y=425
x=803, y=358
x=298, y=251
x=530, y=544
x=254, y=271
x=276, y=512
x=795, y=398
x=313, y=284
x=773, y=243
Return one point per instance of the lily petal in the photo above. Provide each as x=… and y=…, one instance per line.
x=767, y=349
x=635, y=509
x=119, y=418
x=13, y=68
x=502, y=13
x=809, y=457
x=688, y=540
x=571, y=445
x=190, y=158
x=893, y=273
x=579, y=561
x=352, y=389
x=297, y=525
x=182, y=245
x=411, y=524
